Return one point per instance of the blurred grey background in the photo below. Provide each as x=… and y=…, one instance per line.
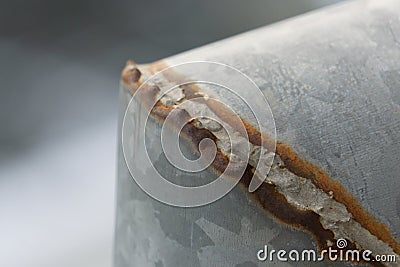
x=60, y=63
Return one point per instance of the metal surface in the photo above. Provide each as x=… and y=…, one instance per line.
x=332, y=80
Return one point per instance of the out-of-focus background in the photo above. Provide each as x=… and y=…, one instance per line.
x=59, y=71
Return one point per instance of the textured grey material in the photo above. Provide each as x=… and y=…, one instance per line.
x=332, y=80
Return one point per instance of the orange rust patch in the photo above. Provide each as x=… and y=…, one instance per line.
x=300, y=167
x=277, y=206
x=267, y=196
x=130, y=74
x=294, y=163
x=305, y=169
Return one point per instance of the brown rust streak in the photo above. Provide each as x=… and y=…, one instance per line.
x=267, y=195
x=277, y=206
x=303, y=168
x=300, y=167
x=309, y=170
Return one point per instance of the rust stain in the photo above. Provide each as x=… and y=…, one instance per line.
x=266, y=195
x=305, y=169
x=130, y=74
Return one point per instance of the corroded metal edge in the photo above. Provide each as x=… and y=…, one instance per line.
x=269, y=198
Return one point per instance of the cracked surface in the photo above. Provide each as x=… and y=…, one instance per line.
x=302, y=194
